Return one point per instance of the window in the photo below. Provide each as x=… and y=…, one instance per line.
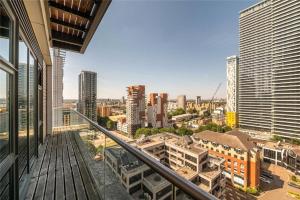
x=235, y=156
x=4, y=114
x=5, y=34
x=135, y=178
x=31, y=88
x=229, y=154
x=22, y=106
x=242, y=158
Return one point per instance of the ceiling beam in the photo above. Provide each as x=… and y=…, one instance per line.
x=68, y=25
x=69, y=10
x=66, y=46
x=66, y=38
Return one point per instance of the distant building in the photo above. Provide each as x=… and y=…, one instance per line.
x=232, y=91
x=179, y=118
x=135, y=108
x=104, y=111
x=181, y=102
x=269, y=75
x=218, y=116
x=198, y=100
x=87, y=104
x=282, y=154
x=122, y=125
x=157, y=114
x=57, y=85
x=172, y=105
x=242, y=158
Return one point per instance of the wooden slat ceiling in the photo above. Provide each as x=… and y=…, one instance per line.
x=73, y=22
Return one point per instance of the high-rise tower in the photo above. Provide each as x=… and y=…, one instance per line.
x=87, y=99
x=135, y=108
x=232, y=91
x=269, y=73
x=57, y=85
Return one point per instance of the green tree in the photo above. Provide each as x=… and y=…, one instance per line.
x=178, y=111
x=182, y=131
x=102, y=121
x=142, y=131
x=169, y=130
x=111, y=125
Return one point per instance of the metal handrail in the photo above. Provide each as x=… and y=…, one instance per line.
x=183, y=184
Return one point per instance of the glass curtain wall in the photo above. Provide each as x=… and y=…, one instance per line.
x=6, y=75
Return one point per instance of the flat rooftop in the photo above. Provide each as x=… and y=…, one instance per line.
x=155, y=179
x=186, y=173
x=210, y=173
x=184, y=143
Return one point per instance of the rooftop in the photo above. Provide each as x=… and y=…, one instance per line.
x=156, y=180
x=186, y=173
x=233, y=139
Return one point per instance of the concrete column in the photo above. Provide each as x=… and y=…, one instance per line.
x=48, y=100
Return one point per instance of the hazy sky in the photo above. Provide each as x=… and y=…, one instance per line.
x=178, y=47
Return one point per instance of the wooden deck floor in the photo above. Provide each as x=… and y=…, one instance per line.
x=60, y=171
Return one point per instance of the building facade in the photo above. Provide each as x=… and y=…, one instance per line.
x=242, y=160
x=157, y=110
x=87, y=99
x=181, y=102
x=186, y=158
x=232, y=91
x=255, y=68
x=198, y=100
x=135, y=108
x=57, y=85
x=269, y=68
x=104, y=111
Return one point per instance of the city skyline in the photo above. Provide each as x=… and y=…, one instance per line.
x=188, y=50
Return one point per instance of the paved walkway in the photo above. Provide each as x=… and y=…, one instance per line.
x=60, y=171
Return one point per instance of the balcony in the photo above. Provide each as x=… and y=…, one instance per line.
x=82, y=160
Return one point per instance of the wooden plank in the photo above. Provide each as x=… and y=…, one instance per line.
x=50, y=186
x=80, y=191
x=59, y=183
x=46, y=160
x=40, y=189
x=88, y=182
x=36, y=171
x=69, y=184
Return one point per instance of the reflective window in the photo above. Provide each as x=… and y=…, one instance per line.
x=4, y=33
x=31, y=68
x=22, y=106
x=4, y=114
x=4, y=187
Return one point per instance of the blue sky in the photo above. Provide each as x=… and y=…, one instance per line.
x=178, y=47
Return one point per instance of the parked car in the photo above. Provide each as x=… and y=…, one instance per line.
x=264, y=179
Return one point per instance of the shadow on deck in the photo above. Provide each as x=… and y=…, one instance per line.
x=60, y=171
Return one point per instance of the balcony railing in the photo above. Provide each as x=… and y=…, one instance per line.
x=120, y=170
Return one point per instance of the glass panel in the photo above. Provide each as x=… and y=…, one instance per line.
x=22, y=106
x=4, y=114
x=4, y=33
x=31, y=88
x=4, y=187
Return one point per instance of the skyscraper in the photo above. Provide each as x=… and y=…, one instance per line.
x=198, y=100
x=181, y=102
x=135, y=108
x=57, y=92
x=231, y=91
x=269, y=93
x=87, y=98
x=255, y=73
x=157, y=110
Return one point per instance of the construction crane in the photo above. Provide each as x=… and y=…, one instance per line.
x=210, y=103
